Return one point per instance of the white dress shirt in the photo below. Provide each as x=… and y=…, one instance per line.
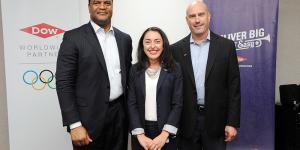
x=110, y=51
x=150, y=101
x=199, y=55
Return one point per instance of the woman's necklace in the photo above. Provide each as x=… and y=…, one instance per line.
x=153, y=73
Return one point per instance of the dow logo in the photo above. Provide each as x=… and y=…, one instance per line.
x=43, y=30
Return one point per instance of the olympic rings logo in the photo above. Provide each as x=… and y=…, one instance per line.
x=38, y=81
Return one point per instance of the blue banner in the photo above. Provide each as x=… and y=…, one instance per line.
x=252, y=25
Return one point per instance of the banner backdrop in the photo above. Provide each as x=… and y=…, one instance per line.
x=253, y=27
x=32, y=31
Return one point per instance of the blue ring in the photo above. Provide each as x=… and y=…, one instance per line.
x=30, y=83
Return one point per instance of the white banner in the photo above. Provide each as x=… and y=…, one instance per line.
x=32, y=31
x=135, y=16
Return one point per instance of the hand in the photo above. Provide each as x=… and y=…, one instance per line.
x=160, y=140
x=144, y=141
x=80, y=136
x=230, y=133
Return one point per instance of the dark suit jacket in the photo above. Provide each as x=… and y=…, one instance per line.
x=82, y=81
x=168, y=97
x=222, y=86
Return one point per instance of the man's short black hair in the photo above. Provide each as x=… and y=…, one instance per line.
x=90, y=1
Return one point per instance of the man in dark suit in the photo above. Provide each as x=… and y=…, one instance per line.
x=211, y=81
x=92, y=67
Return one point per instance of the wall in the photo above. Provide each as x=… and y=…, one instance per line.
x=288, y=51
x=3, y=105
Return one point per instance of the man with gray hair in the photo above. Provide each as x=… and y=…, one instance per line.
x=211, y=79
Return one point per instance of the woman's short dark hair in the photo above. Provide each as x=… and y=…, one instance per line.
x=166, y=58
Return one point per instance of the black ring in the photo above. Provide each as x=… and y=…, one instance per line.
x=46, y=82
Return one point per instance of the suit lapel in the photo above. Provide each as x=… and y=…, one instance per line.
x=93, y=40
x=141, y=79
x=121, y=49
x=213, y=47
x=161, y=79
x=187, y=59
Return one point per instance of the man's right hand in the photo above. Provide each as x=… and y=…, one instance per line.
x=80, y=136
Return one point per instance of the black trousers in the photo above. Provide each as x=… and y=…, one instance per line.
x=152, y=131
x=115, y=132
x=201, y=140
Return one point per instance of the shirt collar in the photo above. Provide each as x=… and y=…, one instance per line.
x=97, y=28
x=207, y=38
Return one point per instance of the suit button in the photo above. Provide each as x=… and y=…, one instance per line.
x=108, y=86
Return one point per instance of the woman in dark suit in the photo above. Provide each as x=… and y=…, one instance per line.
x=155, y=94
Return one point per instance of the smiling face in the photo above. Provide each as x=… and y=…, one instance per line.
x=101, y=12
x=198, y=18
x=153, y=45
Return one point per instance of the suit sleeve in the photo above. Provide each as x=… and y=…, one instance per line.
x=234, y=89
x=66, y=71
x=134, y=118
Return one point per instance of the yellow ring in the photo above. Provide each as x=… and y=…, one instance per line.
x=38, y=89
